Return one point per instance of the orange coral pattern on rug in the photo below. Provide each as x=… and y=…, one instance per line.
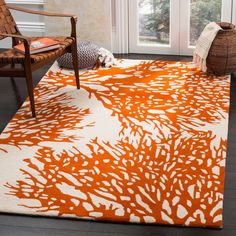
x=142, y=142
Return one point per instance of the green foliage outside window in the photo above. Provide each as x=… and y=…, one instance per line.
x=155, y=22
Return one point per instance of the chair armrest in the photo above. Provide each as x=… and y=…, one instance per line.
x=25, y=40
x=73, y=18
x=43, y=13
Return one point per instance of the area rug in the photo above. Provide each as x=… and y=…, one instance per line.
x=142, y=142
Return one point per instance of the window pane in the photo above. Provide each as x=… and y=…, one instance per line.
x=203, y=12
x=154, y=22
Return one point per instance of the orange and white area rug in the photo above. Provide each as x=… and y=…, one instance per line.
x=142, y=142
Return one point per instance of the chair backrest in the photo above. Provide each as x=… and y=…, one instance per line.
x=7, y=22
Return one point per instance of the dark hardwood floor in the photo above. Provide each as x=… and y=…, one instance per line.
x=13, y=94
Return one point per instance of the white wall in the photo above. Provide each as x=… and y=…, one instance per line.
x=94, y=19
x=28, y=24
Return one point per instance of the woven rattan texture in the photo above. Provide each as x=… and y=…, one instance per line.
x=7, y=23
x=12, y=56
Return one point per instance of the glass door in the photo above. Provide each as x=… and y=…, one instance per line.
x=154, y=26
x=172, y=26
x=195, y=15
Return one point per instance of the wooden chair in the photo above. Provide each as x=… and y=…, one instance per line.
x=29, y=63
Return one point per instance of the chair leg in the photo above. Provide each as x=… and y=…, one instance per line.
x=29, y=82
x=75, y=63
x=16, y=92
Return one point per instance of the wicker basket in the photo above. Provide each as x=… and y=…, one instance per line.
x=221, y=59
